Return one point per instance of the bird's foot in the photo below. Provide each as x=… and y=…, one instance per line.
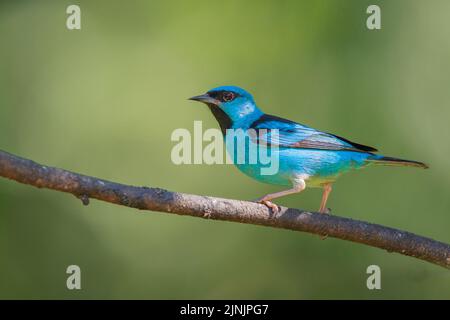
x=207, y=214
x=325, y=211
x=272, y=206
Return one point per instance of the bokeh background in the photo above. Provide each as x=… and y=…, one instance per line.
x=104, y=101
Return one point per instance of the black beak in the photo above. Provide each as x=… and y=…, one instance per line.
x=205, y=98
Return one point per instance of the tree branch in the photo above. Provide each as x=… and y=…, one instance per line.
x=155, y=199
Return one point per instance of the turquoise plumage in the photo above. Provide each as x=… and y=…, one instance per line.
x=306, y=157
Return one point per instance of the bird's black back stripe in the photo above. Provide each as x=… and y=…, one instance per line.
x=268, y=118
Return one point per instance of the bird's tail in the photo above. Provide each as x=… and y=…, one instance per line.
x=390, y=161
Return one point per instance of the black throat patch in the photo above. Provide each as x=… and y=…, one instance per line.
x=222, y=118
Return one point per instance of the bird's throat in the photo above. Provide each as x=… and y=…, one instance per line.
x=222, y=118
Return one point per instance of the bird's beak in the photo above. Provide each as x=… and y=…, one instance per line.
x=205, y=98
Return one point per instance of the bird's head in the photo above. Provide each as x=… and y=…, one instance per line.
x=230, y=105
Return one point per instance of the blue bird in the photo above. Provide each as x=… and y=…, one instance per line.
x=307, y=157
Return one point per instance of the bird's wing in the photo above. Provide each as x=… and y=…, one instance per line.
x=295, y=135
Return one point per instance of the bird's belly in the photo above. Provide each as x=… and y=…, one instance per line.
x=317, y=166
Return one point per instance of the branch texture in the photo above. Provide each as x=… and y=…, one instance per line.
x=155, y=199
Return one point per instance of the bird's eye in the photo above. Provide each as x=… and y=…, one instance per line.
x=228, y=96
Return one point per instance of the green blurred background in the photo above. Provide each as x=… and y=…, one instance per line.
x=104, y=101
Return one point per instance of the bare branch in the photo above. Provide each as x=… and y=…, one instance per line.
x=155, y=199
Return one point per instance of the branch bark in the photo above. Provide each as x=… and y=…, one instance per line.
x=156, y=199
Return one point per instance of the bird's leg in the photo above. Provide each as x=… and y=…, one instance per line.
x=326, y=192
x=299, y=186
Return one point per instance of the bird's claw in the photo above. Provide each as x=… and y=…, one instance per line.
x=272, y=206
x=325, y=211
x=207, y=214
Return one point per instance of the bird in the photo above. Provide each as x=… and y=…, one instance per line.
x=307, y=157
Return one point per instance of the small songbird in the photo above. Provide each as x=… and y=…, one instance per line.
x=307, y=157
